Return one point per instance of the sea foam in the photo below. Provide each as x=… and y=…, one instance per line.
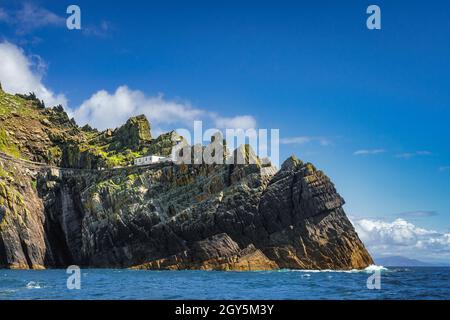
x=33, y=285
x=370, y=269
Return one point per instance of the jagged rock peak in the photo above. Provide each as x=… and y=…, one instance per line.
x=291, y=163
x=245, y=154
x=135, y=132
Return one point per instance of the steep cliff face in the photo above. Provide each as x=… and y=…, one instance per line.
x=22, y=236
x=166, y=216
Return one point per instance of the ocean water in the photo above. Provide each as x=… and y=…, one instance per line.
x=396, y=283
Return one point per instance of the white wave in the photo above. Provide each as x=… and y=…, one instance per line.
x=374, y=267
x=33, y=285
x=307, y=275
x=369, y=269
x=7, y=291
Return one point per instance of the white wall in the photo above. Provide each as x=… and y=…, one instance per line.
x=149, y=160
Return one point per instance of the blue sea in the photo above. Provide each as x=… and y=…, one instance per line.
x=395, y=283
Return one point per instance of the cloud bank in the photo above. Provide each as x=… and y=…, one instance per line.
x=23, y=74
x=30, y=17
x=401, y=237
x=241, y=122
x=107, y=110
x=20, y=73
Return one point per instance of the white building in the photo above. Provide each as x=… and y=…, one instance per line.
x=151, y=159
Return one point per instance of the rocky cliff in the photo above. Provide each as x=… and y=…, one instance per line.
x=163, y=216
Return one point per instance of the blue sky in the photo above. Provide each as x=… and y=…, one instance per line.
x=370, y=108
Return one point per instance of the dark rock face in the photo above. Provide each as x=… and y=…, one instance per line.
x=2, y=213
x=307, y=225
x=221, y=217
x=22, y=237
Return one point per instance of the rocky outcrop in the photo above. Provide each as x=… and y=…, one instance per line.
x=132, y=135
x=218, y=252
x=182, y=217
x=22, y=236
x=167, y=216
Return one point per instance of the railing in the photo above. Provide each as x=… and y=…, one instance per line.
x=7, y=157
x=39, y=165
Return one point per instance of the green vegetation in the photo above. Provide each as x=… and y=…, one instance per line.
x=6, y=146
x=10, y=104
x=108, y=184
x=33, y=98
x=109, y=158
x=55, y=152
x=42, y=134
x=11, y=198
x=3, y=173
x=6, y=103
x=132, y=177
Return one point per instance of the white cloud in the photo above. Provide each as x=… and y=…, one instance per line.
x=304, y=140
x=31, y=17
x=365, y=152
x=238, y=122
x=105, y=110
x=20, y=73
x=409, y=155
x=401, y=237
x=23, y=74
x=109, y=110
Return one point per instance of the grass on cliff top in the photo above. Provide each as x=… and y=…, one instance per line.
x=15, y=109
x=10, y=103
x=7, y=103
